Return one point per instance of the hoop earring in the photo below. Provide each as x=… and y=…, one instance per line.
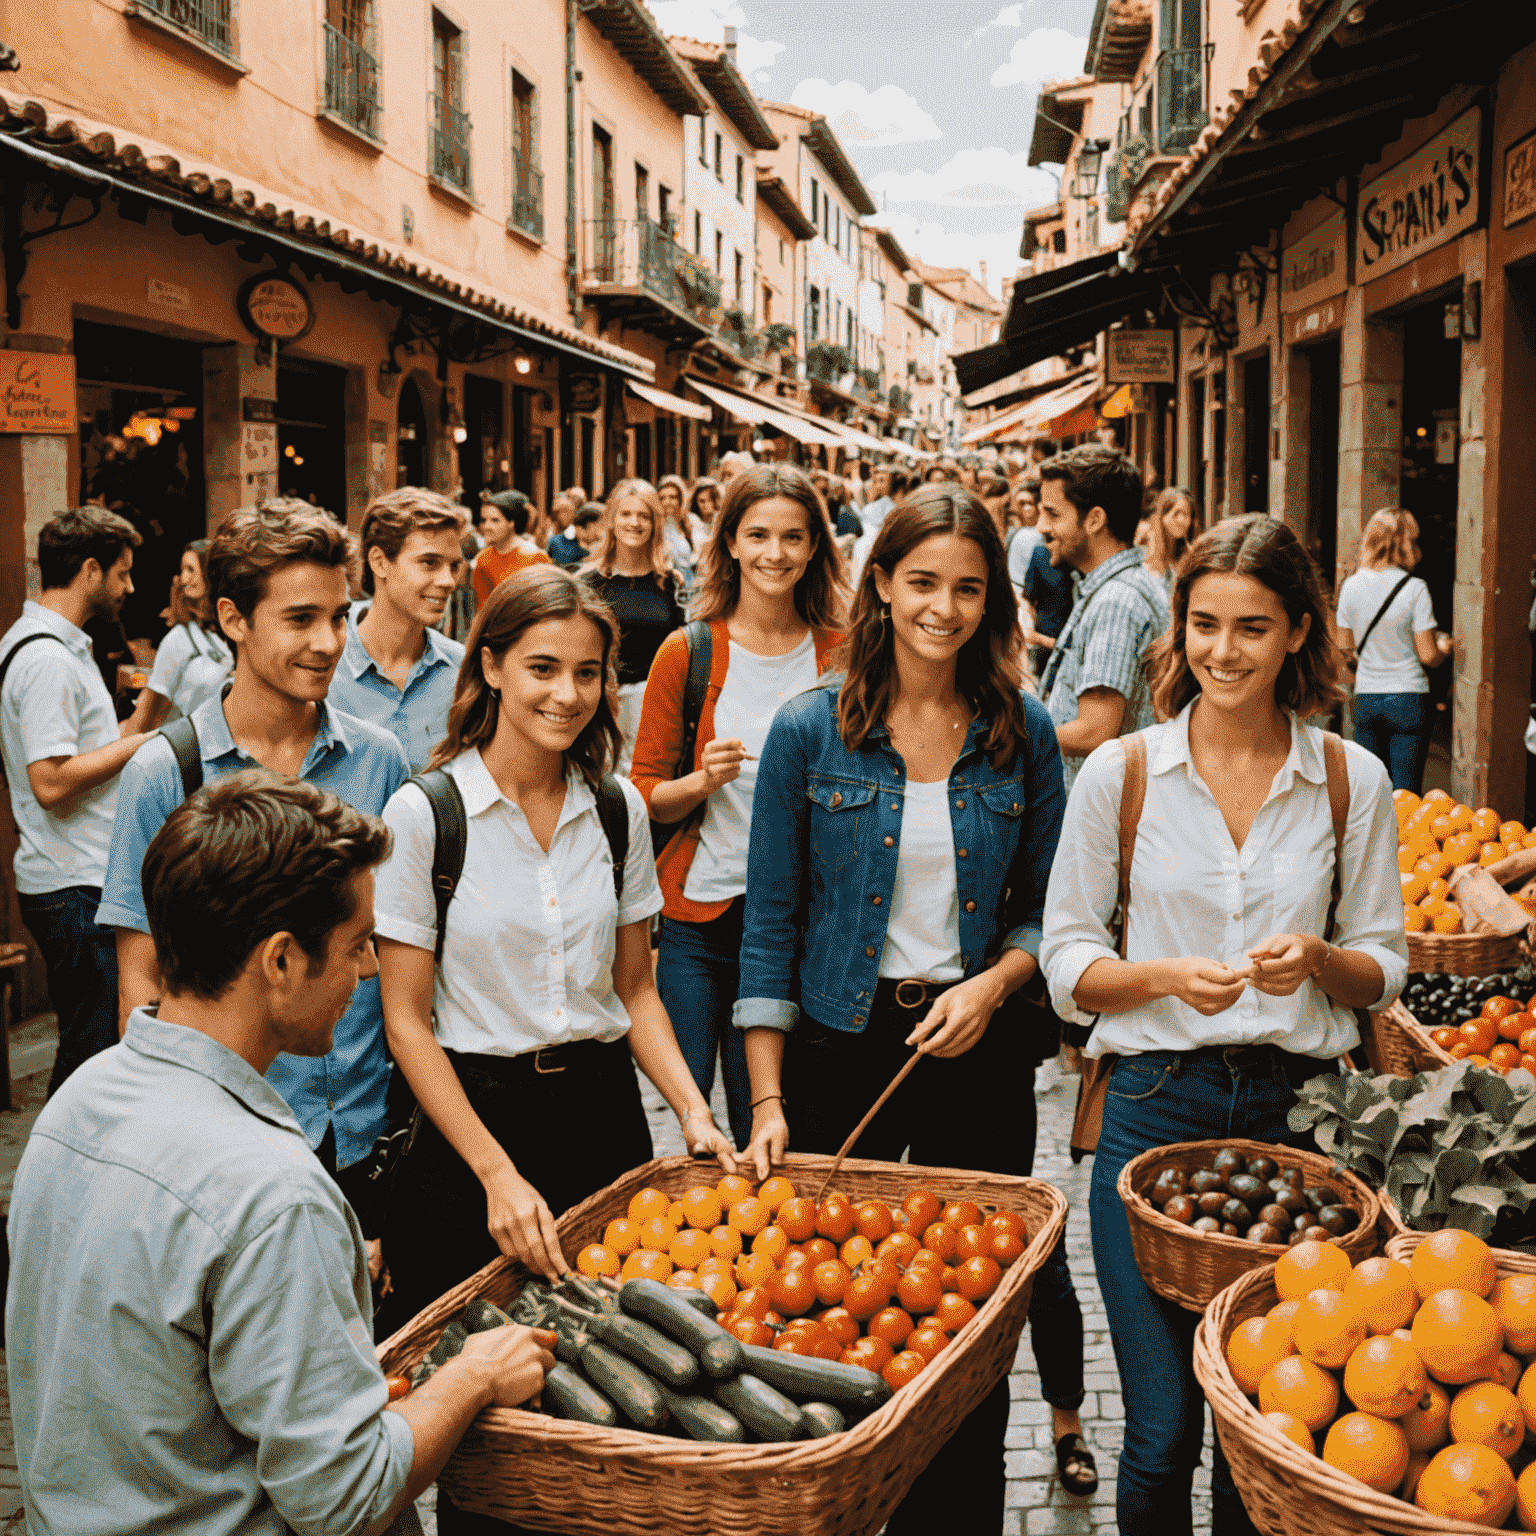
x=885, y=613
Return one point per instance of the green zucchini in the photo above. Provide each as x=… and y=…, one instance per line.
x=767, y=1413
x=449, y=1343
x=569, y=1397
x=716, y=1350
x=703, y=1418
x=480, y=1316
x=819, y=1419
x=622, y=1381
x=702, y=1304
x=850, y=1387
x=648, y=1347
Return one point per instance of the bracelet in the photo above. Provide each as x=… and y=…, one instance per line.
x=1323, y=964
x=768, y=1098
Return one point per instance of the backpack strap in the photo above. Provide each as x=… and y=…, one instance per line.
x=10, y=655
x=1337, y=767
x=182, y=736
x=613, y=812
x=1133, y=795
x=700, y=644
x=450, y=829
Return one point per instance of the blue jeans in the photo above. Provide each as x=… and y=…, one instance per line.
x=1154, y=1099
x=698, y=971
x=81, y=961
x=1395, y=727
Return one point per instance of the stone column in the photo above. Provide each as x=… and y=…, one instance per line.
x=1370, y=424
x=239, y=457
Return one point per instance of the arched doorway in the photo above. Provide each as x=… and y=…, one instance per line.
x=411, y=458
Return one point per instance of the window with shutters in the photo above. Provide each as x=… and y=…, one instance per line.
x=351, y=65
x=450, y=122
x=527, y=178
x=605, y=231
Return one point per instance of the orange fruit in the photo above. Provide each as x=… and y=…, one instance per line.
x=834, y=1219
x=793, y=1291
x=1371, y=1449
x=775, y=1192
x=1526, y=1394
x=1463, y=847
x=1415, y=888
x=1506, y=1371
x=648, y=1203
x=1254, y=1346
x=646, y=1264
x=731, y=1189
x=657, y=1233
x=891, y=1324
x=719, y=1287
x=1293, y=1429
x=1298, y=1387
x=818, y=1250
x=748, y=1216
x=1381, y=1290
x=1511, y=832
x=675, y=1215
x=1428, y=1427
x=713, y=1265
x=840, y=1325
x=1513, y=1300
x=622, y=1235
x=754, y=1301
x=1308, y=1267
x=865, y=1296
x=1433, y=905
x=1441, y=826
x=902, y=1368
x=797, y=1216
x=753, y=1269
x=1487, y=1414
x=702, y=1207
x=690, y=1248
x=920, y=1291
x=1415, y=920
x=873, y=1354
x=725, y=1241
x=1457, y=1336
x=830, y=1279
x=1451, y=1259
x=854, y=1252
x=1462, y=817
x=977, y=1278
x=771, y=1240
x=899, y=1247
x=953, y=1311
x=1286, y=1311
x=1328, y=1329
x=928, y=1341
x=683, y=1280
x=1385, y=1377
x=872, y=1219
x=1485, y=822
x=1406, y=858
x=1447, y=919
x=1467, y=1482
x=923, y=1208
x=1438, y=798
x=1491, y=853
x=962, y=1213
x=1525, y=1498
x=1504, y=1056
x=597, y=1259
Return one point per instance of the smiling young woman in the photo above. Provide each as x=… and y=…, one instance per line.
x=1234, y=989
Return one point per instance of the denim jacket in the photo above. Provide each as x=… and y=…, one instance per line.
x=821, y=864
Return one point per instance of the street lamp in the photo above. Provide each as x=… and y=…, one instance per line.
x=1090, y=157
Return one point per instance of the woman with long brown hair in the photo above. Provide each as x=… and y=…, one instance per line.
x=903, y=828
x=194, y=660
x=772, y=597
x=1167, y=530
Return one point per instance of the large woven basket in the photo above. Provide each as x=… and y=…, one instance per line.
x=1397, y=1043
x=1508, y=1261
x=1467, y=954
x=1190, y=1267
x=554, y=1475
x=1285, y=1491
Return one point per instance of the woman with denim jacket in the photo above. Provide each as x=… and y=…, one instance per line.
x=1235, y=988
x=903, y=827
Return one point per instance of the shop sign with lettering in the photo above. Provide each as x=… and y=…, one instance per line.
x=275, y=306
x=1318, y=322
x=1315, y=266
x=1139, y=357
x=1520, y=180
x=37, y=393
x=1422, y=202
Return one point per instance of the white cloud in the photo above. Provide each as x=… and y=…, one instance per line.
x=867, y=119
x=707, y=21
x=1047, y=53
x=973, y=178
x=942, y=247
x=1009, y=16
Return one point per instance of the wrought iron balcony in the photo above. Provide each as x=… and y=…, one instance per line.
x=527, y=197
x=206, y=20
x=450, y=144
x=1181, y=97
x=351, y=82
x=639, y=255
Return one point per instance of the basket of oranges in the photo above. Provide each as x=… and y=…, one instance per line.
x=1438, y=835
x=1392, y=1396
x=1395, y=1042
x=928, y=1284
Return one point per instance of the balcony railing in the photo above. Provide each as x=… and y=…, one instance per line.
x=639, y=253
x=351, y=82
x=206, y=20
x=1181, y=96
x=450, y=144
x=527, y=197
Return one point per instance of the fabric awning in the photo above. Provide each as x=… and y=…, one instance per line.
x=1118, y=404
x=1036, y=414
x=759, y=413
x=665, y=402
x=742, y=408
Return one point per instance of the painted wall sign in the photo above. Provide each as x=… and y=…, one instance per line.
x=164, y=295
x=1422, y=202
x=275, y=306
x=37, y=393
x=1315, y=266
x=1520, y=180
x=1318, y=321
x=1139, y=357
x=258, y=448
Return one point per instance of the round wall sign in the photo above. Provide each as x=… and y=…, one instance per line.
x=275, y=306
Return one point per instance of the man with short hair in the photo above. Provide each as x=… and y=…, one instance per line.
x=398, y=669
x=587, y=529
x=63, y=750
x=1095, y=684
x=188, y=1321
x=504, y=522
x=278, y=581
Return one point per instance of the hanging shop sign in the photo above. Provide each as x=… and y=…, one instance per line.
x=1139, y=357
x=1520, y=180
x=37, y=392
x=275, y=307
x=1316, y=266
x=1422, y=202
x=582, y=392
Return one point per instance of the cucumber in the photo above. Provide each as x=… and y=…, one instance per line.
x=767, y=1413
x=648, y=1347
x=716, y=1350
x=819, y=1419
x=700, y=1303
x=703, y=1418
x=480, y=1316
x=569, y=1397
x=621, y=1380
x=850, y=1387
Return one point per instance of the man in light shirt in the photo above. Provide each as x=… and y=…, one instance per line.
x=63, y=751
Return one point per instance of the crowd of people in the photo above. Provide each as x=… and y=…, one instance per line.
x=780, y=775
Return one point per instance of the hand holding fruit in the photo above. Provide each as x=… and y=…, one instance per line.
x=1208, y=986
x=720, y=762
x=522, y=1224
x=958, y=1018
x=1285, y=960
x=510, y=1361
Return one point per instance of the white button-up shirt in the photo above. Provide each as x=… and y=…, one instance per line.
x=55, y=704
x=1193, y=892
x=529, y=948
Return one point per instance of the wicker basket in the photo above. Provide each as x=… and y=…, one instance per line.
x=1399, y=1044
x=1285, y=1491
x=554, y=1475
x=1467, y=954
x=1190, y=1267
x=1508, y=1261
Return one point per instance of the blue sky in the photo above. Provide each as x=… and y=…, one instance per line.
x=934, y=100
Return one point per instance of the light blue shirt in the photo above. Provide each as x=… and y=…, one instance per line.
x=188, y=1328
x=361, y=764
x=417, y=715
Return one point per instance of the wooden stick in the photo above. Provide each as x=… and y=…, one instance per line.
x=863, y=1125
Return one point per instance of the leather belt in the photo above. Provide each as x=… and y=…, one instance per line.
x=910, y=994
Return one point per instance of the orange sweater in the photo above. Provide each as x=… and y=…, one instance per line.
x=491, y=569
x=659, y=741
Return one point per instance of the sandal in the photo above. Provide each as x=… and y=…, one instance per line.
x=1075, y=1465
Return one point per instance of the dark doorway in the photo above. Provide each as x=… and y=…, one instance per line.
x=312, y=434
x=642, y=451
x=481, y=452
x=1197, y=448
x=411, y=457
x=524, y=444
x=588, y=435
x=1323, y=457
x=1256, y=434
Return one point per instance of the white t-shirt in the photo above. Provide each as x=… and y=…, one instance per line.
x=923, y=937
x=1022, y=546
x=191, y=666
x=1389, y=663
x=754, y=688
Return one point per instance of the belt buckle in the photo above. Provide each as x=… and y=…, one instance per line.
x=916, y=1001
x=538, y=1064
